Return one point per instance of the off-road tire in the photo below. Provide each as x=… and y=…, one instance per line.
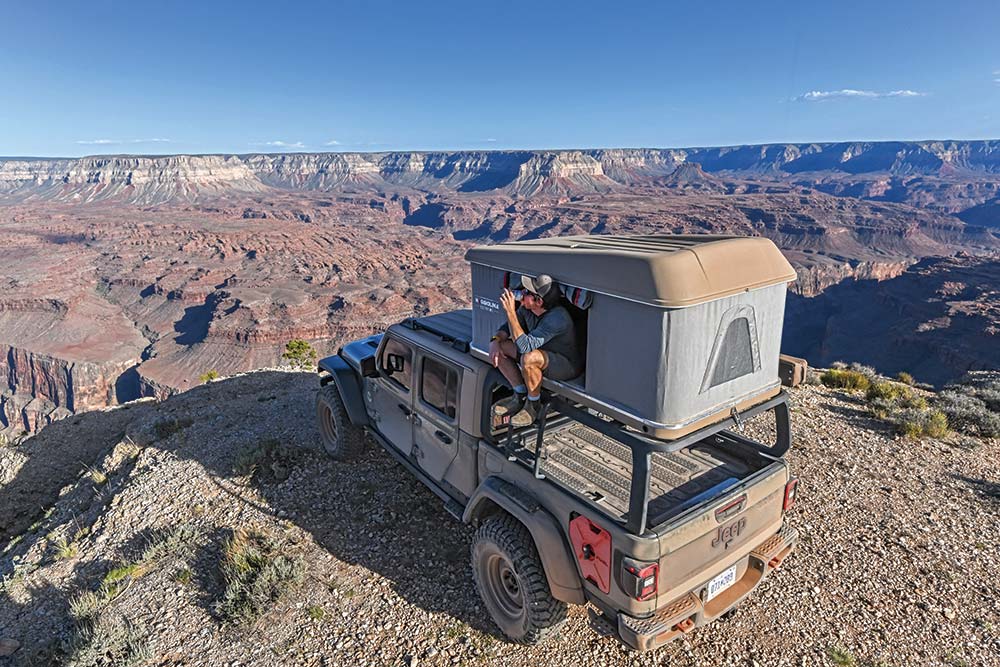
x=342, y=439
x=504, y=557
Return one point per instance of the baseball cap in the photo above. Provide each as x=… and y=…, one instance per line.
x=540, y=285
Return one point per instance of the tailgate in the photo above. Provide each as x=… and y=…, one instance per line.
x=710, y=538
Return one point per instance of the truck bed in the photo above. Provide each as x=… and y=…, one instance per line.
x=600, y=470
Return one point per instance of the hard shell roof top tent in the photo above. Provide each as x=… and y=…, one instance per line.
x=681, y=329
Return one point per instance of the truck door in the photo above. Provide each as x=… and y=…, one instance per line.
x=389, y=396
x=435, y=421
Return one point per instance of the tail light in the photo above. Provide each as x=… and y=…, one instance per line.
x=639, y=579
x=790, y=493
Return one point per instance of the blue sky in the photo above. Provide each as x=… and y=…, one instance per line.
x=80, y=78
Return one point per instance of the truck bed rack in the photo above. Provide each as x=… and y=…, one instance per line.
x=569, y=469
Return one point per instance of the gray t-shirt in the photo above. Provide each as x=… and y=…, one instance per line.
x=552, y=332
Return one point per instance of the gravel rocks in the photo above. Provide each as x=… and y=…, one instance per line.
x=897, y=564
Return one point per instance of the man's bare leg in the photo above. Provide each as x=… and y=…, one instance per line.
x=532, y=365
x=508, y=363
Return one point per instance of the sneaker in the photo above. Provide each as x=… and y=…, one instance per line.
x=527, y=416
x=503, y=410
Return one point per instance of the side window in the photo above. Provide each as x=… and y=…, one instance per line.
x=735, y=352
x=439, y=387
x=397, y=348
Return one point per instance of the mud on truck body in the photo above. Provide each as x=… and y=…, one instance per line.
x=636, y=491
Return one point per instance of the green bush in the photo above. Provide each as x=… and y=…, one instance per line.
x=891, y=391
x=906, y=378
x=208, y=377
x=841, y=656
x=914, y=423
x=882, y=407
x=258, y=569
x=299, y=354
x=936, y=424
x=845, y=379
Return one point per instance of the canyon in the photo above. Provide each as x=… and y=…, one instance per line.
x=128, y=276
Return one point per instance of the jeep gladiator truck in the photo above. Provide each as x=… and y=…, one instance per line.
x=657, y=536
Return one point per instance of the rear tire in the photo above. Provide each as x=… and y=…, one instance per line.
x=511, y=581
x=342, y=439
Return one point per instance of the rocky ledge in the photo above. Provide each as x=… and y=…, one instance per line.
x=896, y=565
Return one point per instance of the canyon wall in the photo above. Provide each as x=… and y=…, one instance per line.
x=128, y=276
x=895, y=171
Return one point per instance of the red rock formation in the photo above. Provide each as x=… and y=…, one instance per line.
x=128, y=276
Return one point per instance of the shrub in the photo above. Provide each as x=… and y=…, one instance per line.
x=891, y=391
x=845, y=379
x=968, y=413
x=257, y=569
x=882, y=407
x=268, y=459
x=867, y=371
x=97, y=641
x=906, y=378
x=915, y=423
x=208, y=377
x=913, y=401
x=63, y=549
x=178, y=542
x=841, y=656
x=936, y=424
x=299, y=354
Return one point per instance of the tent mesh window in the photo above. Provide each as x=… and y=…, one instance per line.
x=735, y=353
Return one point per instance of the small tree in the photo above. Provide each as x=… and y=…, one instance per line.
x=299, y=354
x=209, y=376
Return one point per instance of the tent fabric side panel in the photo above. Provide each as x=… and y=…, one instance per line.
x=702, y=344
x=626, y=354
x=487, y=315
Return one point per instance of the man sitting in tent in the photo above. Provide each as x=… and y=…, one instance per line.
x=538, y=340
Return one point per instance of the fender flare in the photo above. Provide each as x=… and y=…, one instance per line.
x=557, y=560
x=349, y=386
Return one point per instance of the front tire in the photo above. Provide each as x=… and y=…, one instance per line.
x=342, y=439
x=511, y=581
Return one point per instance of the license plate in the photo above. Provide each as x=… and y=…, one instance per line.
x=721, y=583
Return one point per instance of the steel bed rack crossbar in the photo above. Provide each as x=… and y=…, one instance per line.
x=642, y=447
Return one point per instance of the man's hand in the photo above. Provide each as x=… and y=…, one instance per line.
x=509, y=304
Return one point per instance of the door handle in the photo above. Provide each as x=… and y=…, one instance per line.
x=406, y=410
x=443, y=437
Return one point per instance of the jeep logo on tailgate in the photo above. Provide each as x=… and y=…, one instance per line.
x=726, y=534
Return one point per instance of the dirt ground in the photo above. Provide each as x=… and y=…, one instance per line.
x=897, y=564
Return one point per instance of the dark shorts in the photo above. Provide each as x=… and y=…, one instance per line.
x=559, y=367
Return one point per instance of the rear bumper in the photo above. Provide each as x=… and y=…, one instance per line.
x=689, y=612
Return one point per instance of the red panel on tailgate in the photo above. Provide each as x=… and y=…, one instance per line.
x=592, y=546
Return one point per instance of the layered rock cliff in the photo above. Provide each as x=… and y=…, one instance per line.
x=894, y=171
x=124, y=276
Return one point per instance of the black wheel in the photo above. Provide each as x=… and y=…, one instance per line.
x=341, y=439
x=510, y=580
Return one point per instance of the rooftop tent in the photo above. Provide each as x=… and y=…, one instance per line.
x=680, y=330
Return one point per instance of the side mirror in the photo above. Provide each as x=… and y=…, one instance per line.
x=395, y=363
